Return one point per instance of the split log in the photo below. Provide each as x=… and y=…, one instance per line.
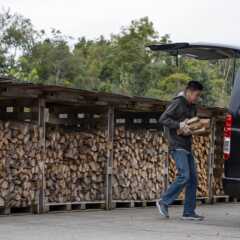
x=197, y=126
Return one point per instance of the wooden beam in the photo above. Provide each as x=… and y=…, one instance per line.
x=62, y=108
x=62, y=97
x=17, y=92
x=24, y=102
x=211, y=160
x=42, y=125
x=110, y=130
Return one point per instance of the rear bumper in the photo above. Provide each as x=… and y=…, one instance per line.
x=231, y=187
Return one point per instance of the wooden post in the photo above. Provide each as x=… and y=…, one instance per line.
x=110, y=135
x=7, y=209
x=42, y=125
x=211, y=160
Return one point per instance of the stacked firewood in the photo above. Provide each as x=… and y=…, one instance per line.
x=218, y=165
x=217, y=184
x=75, y=165
x=20, y=154
x=201, y=149
x=138, y=166
x=201, y=146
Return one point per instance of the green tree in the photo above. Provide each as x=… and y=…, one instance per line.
x=121, y=64
x=131, y=60
x=17, y=36
x=170, y=86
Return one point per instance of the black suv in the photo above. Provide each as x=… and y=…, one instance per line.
x=231, y=181
x=231, y=148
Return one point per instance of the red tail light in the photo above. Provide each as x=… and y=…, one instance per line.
x=227, y=136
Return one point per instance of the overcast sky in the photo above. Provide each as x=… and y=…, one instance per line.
x=184, y=20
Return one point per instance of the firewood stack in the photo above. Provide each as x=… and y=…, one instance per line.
x=217, y=185
x=201, y=145
x=20, y=153
x=138, y=164
x=218, y=166
x=75, y=165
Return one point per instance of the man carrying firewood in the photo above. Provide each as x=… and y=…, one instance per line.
x=175, y=122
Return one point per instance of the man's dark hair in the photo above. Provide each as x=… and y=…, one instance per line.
x=194, y=86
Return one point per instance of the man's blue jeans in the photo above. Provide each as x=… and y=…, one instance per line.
x=187, y=177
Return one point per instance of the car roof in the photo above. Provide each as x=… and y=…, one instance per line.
x=201, y=51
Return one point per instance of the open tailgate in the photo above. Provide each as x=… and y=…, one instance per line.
x=201, y=51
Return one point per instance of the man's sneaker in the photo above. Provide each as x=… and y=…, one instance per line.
x=194, y=216
x=162, y=208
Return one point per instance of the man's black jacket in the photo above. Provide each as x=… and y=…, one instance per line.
x=177, y=111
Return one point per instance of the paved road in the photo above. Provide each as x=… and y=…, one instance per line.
x=223, y=222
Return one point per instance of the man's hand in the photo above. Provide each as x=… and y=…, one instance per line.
x=186, y=131
x=183, y=124
x=184, y=128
